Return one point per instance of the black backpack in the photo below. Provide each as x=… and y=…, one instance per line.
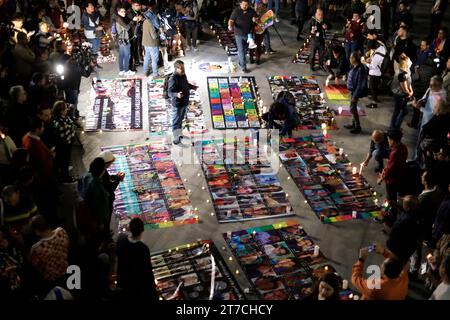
x=166, y=85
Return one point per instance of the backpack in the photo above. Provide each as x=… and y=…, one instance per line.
x=385, y=67
x=166, y=86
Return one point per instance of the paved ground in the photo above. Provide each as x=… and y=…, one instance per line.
x=339, y=242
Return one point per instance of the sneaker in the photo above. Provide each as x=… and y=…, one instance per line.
x=251, y=44
x=121, y=73
x=356, y=130
x=130, y=73
x=195, y=49
x=277, y=20
x=176, y=141
x=149, y=79
x=188, y=48
x=270, y=51
x=245, y=70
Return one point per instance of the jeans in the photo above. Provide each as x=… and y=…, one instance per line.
x=95, y=42
x=178, y=115
x=242, y=46
x=379, y=154
x=153, y=54
x=267, y=40
x=124, y=56
x=191, y=28
x=274, y=4
x=351, y=46
x=400, y=111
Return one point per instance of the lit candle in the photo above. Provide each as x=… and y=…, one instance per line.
x=360, y=168
x=354, y=214
x=340, y=110
x=325, y=132
x=355, y=297
x=345, y=284
x=237, y=272
x=229, y=234
x=324, y=126
x=254, y=233
x=316, y=251
x=230, y=258
x=229, y=214
x=341, y=151
x=212, y=214
x=354, y=170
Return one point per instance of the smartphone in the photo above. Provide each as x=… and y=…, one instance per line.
x=423, y=268
x=371, y=248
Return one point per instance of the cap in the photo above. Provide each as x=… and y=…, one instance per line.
x=107, y=156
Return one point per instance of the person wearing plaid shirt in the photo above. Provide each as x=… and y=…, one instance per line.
x=49, y=254
x=64, y=129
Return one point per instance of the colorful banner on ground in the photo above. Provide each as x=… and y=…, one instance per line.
x=117, y=105
x=334, y=189
x=281, y=261
x=338, y=98
x=234, y=102
x=241, y=180
x=194, y=271
x=152, y=189
x=310, y=104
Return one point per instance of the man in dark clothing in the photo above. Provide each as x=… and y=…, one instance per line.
x=317, y=28
x=405, y=45
x=402, y=16
x=71, y=84
x=134, y=267
x=357, y=85
x=337, y=65
x=40, y=93
x=283, y=109
x=18, y=114
x=241, y=22
x=437, y=15
x=405, y=232
x=135, y=35
x=301, y=14
x=48, y=137
x=178, y=90
x=442, y=219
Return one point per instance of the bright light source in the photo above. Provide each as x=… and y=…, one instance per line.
x=59, y=69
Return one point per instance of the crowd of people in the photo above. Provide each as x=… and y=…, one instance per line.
x=39, y=127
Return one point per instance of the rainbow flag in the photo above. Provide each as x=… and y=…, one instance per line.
x=265, y=21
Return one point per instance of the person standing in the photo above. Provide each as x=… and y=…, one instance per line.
x=301, y=13
x=64, y=129
x=135, y=14
x=191, y=12
x=150, y=41
x=90, y=21
x=403, y=93
x=437, y=15
x=178, y=90
x=374, y=63
x=395, y=170
x=241, y=22
x=357, y=85
x=123, y=27
x=134, y=267
x=353, y=34
x=317, y=28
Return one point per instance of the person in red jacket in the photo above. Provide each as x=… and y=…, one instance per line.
x=41, y=158
x=396, y=166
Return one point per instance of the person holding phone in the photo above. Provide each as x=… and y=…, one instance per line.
x=393, y=283
x=178, y=90
x=317, y=28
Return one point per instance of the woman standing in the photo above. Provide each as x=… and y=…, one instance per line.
x=65, y=132
x=403, y=93
x=123, y=26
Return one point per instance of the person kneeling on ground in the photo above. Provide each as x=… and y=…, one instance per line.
x=379, y=150
x=337, y=65
x=283, y=109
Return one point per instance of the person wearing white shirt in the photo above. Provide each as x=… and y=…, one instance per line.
x=374, y=64
x=442, y=291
